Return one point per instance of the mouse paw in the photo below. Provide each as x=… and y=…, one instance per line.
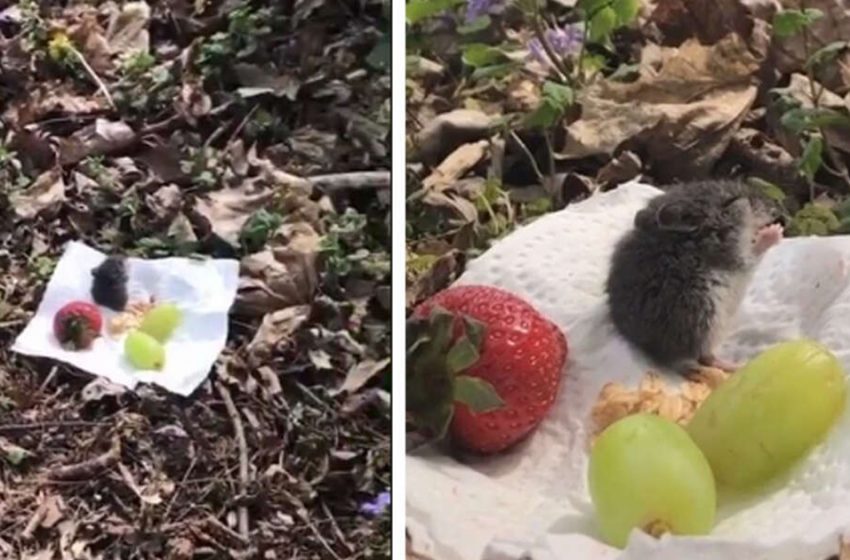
x=712, y=362
x=767, y=237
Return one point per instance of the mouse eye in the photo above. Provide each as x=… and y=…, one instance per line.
x=729, y=202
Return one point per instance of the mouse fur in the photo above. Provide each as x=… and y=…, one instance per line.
x=679, y=275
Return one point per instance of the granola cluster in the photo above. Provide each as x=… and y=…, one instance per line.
x=654, y=396
x=130, y=318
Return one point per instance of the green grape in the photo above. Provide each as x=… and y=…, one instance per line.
x=161, y=321
x=646, y=473
x=770, y=413
x=144, y=351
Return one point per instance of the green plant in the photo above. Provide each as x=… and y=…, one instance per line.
x=257, y=230
x=246, y=30
x=809, y=122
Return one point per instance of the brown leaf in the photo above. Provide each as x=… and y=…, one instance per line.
x=256, y=80
x=165, y=203
x=455, y=166
x=360, y=374
x=445, y=270
x=276, y=329
x=53, y=99
x=102, y=138
x=448, y=131
x=127, y=31
x=281, y=276
x=621, y=169
x=193, y=102
x=44, y=196
x=666, y=114
x=224, y=212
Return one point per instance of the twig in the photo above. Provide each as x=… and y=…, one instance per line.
x=90, y=468
x=243, y=456
x=530, y=156
x=353, y=180
x=94, y=77
x=53, y=424
x=557, y=63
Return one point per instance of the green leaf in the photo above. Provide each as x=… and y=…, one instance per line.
x=802, y=119
x=767, y=188
x=812, y=157
x=477, y=394
x=475, y=330
x=562, y=95
x=626, y=10
x=494, y=71
x=602, y=25
x=462, y=356
x=813, y=219
x=556, y=99
x=791, y=22
x=479, y=55
x=419, y=10
x=14, y=454
x=479, y=24
x=380, y=58
x=827, y=54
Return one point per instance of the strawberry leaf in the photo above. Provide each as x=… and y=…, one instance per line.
x=475, y=331
x=462, y=355
x=479, y=395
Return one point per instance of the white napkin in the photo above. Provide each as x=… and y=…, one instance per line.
x=534, y=500
x=203, y=290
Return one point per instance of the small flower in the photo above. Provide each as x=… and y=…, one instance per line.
x=478, y=8
x=377, y=506
x=564, y=42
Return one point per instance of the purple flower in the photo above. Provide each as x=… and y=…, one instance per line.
x=478, y=8
x=377, y=506
x=564, y=41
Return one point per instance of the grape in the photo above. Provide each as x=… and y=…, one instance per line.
x=645, y=472
x=161, y=321
x=144, y=351
x=770, y=413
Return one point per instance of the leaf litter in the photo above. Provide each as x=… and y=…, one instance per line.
x=232, y=129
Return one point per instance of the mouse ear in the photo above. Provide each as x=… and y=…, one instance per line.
x=676, y=216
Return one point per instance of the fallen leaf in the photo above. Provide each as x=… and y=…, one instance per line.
x=276, y=329
x=360, y=374
x=282, y=275
x=44, y=196
x=102, y=138
x=256, y=80
x=13, y=454
x=224, y=212
x=445, y=133
x=455, y=166
x=666, y=113
x=127, y=31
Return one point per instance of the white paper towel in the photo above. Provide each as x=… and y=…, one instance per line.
x=203, y=290
x=534, y=501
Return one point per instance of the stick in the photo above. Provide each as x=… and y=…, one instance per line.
x=353, y=180
x=243, y=455
x=90, y=468
x=101, y=86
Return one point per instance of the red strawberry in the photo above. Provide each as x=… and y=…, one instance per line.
x=77, y=324
x=483, y=365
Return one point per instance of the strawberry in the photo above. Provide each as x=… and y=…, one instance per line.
x=483, y=366
x=77, y=324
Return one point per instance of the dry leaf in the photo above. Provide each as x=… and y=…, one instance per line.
x=224, y=212
x=102, y=138
x=455, y=166
x=360, y=374
x=280, y=276
x=446, y=132
x=666, y=113
x=127, y=31
x=44, y=196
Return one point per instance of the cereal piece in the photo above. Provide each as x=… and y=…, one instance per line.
x=130, y=318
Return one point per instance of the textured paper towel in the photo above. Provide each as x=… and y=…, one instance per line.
x=203, y=290
x=534, y=500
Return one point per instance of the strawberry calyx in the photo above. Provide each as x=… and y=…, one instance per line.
x=440, y=348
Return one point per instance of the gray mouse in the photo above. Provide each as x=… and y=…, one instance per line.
x=679, y=275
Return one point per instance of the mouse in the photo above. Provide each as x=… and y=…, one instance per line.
x=678, y=276
x=109, y=283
